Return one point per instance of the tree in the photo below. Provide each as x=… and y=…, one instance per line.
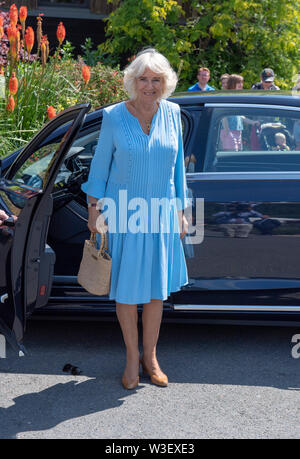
x=233, y=36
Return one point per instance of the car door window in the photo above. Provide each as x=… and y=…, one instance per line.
x=77, y=161
x=33, y=171
x=76, y=165
x=253, y=139
x=189, y=159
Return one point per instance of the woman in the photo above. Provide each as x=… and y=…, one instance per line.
x=235, y=82
x=140, y=156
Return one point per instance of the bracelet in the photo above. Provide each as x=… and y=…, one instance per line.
x=92, y=204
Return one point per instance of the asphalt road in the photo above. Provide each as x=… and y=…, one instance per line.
x=225, y=382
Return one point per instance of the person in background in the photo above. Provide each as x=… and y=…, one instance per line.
x=297, y=85
x=296, y=134
x=267, y=77
x=280, y=141
x=224, y=80
x=232, y=126
x=203, y=77
x=235, y=82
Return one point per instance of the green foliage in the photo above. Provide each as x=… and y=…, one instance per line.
x=233, y=36
x=59, y=84
x=90, y=56
x=67, y=50
x=145, y=23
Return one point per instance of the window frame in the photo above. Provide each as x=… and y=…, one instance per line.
x=211, y=108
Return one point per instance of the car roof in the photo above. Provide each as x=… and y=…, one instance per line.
x=190, y=98
x=237, y=97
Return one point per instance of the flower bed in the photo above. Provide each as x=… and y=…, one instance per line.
x=37, y=87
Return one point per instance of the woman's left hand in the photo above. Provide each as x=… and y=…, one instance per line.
x=183, y=224
x=3, y=216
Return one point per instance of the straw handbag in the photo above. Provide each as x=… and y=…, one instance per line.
x=95, y=267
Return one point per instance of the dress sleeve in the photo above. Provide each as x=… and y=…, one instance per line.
x=101, y=162
x=179, y=174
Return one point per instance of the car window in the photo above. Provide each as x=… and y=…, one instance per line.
x=189, y=159
x=253, y=139
x=76, y=165
x=33, y=171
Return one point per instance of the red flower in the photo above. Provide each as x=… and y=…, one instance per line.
x=10, y=104
x=23, y=14
x=29, y=39
x=11, y=33
x=15, y=46
x=23, y=17
x=86, y=73
x=13, y=84
x=1, y=27
x=51, y=112
x=13, y=14
x=61, y=33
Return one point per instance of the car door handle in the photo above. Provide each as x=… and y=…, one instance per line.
x=35, y=260
x=3, y=298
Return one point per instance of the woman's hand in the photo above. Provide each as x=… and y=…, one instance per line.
x=3, y=216
x=183, y=224
x=93, y=215
x=96, y=222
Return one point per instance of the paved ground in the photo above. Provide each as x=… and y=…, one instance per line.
x=225, y=382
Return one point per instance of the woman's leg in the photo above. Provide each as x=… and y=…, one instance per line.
x=151, y=319
x=128, y=318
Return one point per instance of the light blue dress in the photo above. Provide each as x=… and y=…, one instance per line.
x=136, y=171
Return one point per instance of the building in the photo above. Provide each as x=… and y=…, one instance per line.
x=81, y=18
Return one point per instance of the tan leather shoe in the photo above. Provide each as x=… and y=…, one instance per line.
x=130, y=385
x=158, y=380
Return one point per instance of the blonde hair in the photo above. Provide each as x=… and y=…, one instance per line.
x=280, y=135
x=203, y=69
x=157, y=63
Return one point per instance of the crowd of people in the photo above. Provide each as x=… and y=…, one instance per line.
x=267, y=78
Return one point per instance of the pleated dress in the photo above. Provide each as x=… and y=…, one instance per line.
x=140, y=177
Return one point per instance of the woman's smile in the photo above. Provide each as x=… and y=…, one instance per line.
x=149, y=85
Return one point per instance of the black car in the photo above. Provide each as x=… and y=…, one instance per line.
x=242, y=155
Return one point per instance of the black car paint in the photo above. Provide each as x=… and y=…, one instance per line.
x=237, y=297
x=26, y=263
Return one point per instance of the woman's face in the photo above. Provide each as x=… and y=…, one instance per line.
x=149, y=86
x=239, y=85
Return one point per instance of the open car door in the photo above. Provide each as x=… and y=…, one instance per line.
x=26, y=262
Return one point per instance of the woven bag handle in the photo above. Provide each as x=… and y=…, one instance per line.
x=102, y=243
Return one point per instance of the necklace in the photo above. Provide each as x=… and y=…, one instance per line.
x=145, y=122
x=148, y=126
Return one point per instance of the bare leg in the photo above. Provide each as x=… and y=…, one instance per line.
x=128, y=316
x=151, y=319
